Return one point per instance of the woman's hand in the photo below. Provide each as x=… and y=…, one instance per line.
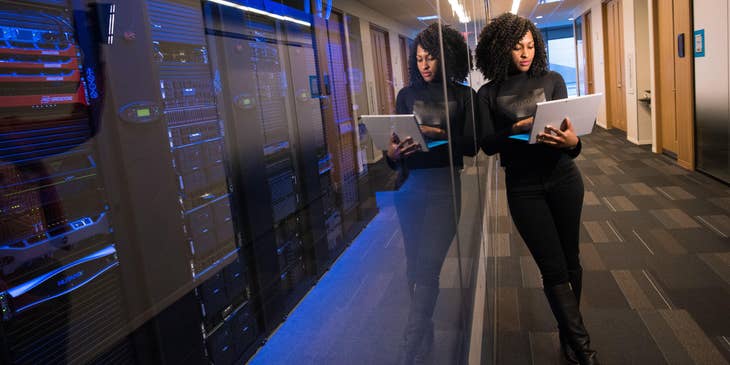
x=522, y=126
x=399, y=149
x=560, y=138
x=433, y=132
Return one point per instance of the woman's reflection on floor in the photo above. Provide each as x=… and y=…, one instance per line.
x=426, y=203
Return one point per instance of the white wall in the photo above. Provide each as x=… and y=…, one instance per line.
x=599, y=79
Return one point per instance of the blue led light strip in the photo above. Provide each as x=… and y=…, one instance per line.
x=24, y=288
x=260, y=12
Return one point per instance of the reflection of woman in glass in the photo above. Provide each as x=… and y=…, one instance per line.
x=425, y=203
x=544, y=186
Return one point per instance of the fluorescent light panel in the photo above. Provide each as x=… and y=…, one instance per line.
x=515, y=6
x=428, y=17
x=261, y=12
x=459, y=10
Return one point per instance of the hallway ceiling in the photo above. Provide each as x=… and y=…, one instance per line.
x=553, y=13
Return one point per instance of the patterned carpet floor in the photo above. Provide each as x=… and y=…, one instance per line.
x=656, y=255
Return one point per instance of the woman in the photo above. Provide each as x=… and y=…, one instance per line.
x=424, y=204
x=544, y=186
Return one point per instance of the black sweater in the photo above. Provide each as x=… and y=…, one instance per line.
x=503, y=104
x=426, y=101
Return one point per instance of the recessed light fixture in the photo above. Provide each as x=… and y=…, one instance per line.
x=427, y=17
x=539, y=17
x=459, y=10
x=570, y=19
x=515, y=6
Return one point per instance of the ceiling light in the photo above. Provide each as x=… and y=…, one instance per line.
x=539, y=17
x=570, y=19
x=428, y=17
x=459, y=10
x=260, y=12
x=515, y=6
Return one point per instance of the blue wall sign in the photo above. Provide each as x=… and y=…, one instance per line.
x=699, y=43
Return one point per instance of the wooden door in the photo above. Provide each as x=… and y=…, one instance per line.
x=588, y=50
x=684, y=84
x=613, y=45
x=383, y=71
x=666, y=118
x=584, y=54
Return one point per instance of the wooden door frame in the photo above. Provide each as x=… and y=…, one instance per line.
x=403, y=45
x=588, y=42
x=389, y=69
x=587, y=38
x=613, y=106
x=606, y=64
x=658, y=101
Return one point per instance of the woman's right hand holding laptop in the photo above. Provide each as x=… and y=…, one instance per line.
x=564, y=137
x=399, y=149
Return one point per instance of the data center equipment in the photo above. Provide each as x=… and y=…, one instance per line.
x=175, y=175
x=60, y=292
x=265, y=153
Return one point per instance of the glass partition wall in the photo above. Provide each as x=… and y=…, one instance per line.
x=193, y=182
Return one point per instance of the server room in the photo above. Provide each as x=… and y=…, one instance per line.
x=238, y=182
x=177, y=175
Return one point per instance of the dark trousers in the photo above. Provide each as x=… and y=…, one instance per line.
x=425, y=207
x=546, y=207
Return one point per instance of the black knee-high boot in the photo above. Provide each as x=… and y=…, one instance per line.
x=576, y=283
x=564, y=305
x=419, y=329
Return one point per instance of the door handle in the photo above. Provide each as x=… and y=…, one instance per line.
x=680, y=45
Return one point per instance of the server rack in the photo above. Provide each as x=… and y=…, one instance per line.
x=264, y=150
x=61, y=295
x=197, y=143
x=225, y=205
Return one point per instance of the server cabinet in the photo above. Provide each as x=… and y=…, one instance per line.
x=176, y=109
x=170, y=183
x=61, y=298
x=265, y=152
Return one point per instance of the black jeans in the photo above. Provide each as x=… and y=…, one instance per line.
x=546, y=207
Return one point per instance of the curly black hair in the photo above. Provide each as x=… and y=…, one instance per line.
x=493, y=53
x=456, y=53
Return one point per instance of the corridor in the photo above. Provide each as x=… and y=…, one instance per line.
x=654, y=247
x=656, y=256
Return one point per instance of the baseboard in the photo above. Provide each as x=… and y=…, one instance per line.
x=686, y=164
x=638, y=141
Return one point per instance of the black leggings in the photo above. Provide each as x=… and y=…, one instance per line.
x=425, y=207
x=546, y=208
